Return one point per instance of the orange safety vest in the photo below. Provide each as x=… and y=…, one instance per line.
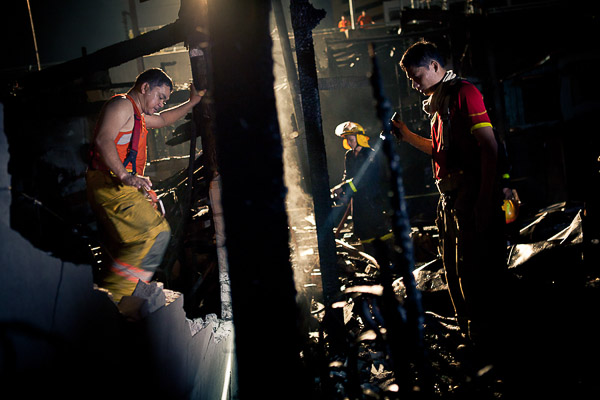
x=131, y=146
x=343, y=25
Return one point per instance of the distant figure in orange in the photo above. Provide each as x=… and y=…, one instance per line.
x=363, y=19
x=344, y=24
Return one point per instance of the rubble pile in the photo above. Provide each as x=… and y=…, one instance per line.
x=548, y=348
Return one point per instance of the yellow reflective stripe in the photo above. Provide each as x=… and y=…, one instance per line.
x=388, y=236
x=382, y=238
x=480, y=125
x=476, y=114
x=352, y=186
x=506, y=176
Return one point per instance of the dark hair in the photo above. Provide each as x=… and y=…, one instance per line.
x=154, y=77
x=420, y=54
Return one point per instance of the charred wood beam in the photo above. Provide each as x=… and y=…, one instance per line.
x=108, y=57
x=250, y=158
x=304, y=18
x=136, y=32
x=405, y=329
x=292, y=76
x=197, y=41
x=288, y=59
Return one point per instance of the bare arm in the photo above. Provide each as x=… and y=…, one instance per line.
x=115, y=118
x=417, y=141
x=174, y=114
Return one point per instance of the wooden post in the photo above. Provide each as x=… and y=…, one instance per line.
x=250, y=159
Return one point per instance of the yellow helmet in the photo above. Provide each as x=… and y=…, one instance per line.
x=352, y=128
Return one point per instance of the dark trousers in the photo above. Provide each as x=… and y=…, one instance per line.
x=475, y=266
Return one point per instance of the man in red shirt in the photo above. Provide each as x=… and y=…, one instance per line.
x=470, y=218
x=363, y=19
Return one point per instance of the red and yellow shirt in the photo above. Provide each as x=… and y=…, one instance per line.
x=467, y=114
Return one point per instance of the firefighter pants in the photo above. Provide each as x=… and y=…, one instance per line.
x=136, y=234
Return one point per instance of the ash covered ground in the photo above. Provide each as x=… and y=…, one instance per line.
x=548, y=347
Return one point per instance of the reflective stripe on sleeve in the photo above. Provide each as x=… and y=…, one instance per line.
x=130, y=272
x=352, y=186
x=480, y=125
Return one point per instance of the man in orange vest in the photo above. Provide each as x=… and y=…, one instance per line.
x=137, y=234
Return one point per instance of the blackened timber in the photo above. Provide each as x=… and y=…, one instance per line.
x=407, y=341
x=136, y=32
x=288, y=60
x=250, y=157
x=304, y=18
x=292, y=77
x=195, y=15
x=110, y=56
x=197, y=41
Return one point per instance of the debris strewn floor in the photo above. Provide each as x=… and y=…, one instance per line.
x=547, y=348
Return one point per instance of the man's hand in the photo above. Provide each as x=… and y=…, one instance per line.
x=511, y=194
x=174, y=114
x=137, y=181
x=337, y=193
x=403, y=134
x=339, y=196
x=196, y=96
x=401, y=130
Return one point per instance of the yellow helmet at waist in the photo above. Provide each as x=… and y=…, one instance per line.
x=511, y=210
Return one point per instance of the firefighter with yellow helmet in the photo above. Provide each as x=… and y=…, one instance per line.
x=363, y=186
